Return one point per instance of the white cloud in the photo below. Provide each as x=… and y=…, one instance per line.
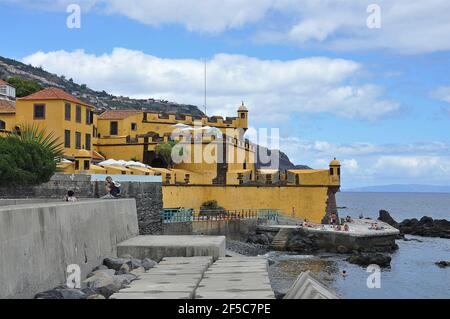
x=370, y=164
x=204, y=16
x=272, y=89
x=407, y=26
x=442, y=93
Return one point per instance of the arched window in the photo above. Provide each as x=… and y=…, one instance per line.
x=2, y=125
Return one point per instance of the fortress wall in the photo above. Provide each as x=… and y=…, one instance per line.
x=233, y=229
x=308, y=202
x=39, y=241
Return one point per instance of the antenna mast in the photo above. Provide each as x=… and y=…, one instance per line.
x=205, y=87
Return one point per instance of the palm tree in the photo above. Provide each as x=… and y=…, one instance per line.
x=34, y=135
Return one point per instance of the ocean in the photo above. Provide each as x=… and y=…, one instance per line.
x=413, y=273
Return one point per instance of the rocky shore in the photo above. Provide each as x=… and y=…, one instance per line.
x=104, y=280
x=247, y=248
x=426, y=226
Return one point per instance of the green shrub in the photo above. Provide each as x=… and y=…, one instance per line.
x=24, y=87
x=29, y=158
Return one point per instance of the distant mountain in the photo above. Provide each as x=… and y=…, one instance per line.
x=101, y=100
x=402, y=188
x=284, y=161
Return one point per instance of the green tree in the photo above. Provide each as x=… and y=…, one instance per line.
x=164, y=151
x=29, y=157
x=24, y=87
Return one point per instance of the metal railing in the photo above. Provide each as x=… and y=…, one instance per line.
x=178, y=215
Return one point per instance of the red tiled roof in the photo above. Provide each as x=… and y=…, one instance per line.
x=117, y=114
x=7, y=106
x=3, y=82
x=53, y=93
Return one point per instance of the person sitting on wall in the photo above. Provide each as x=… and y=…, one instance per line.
x=112, y=188
x=346, y=228
x=70, y=197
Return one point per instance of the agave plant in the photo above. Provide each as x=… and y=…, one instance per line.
x=30, y=133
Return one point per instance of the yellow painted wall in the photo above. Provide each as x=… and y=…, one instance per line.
x=55, y=121
x=9, y=119
x=305, y=202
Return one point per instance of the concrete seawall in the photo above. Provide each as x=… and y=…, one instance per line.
x=237, y=229
x=147, y=192
x=39, y=241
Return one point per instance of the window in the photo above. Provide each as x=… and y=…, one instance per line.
x=78, y=114
x=339, y=171
x=113, y=128
x=2, y=125
x=86, y=165
x=88, y=142
x=133, y=126
x=39, y=111
x=242, y=115
x=331, y=171
x=77, y=140
x=67, y=139
x=77, y=165
x=89, y=117
x=67, y=111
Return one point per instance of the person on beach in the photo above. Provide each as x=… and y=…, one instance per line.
x=112, y=188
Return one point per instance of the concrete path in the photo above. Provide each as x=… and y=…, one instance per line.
x=198, y=277
x=236, y=278
x=172, y=278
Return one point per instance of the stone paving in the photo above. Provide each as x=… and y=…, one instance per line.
x=200, y=278
x=172, y=278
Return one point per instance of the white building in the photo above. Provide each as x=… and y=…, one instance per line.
x=7, y=92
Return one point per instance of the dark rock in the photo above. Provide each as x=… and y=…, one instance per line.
x=88, y=292
x=342, y=249
x=61, y=293
x=116, y=263
x=426, y=227
x=147, y=263
x=261, y=239
x=443, y=264
x=104, y=284
x=124, y=280
x=384, y=216
x=302, y=242
x=370, y=259
x=50, y=294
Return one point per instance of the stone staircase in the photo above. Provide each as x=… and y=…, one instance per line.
x=279, y=242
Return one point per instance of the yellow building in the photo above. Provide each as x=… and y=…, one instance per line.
x=64, y=115
x=224, y=172
x=7, y=108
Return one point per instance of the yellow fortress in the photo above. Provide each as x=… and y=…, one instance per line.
x=216, y=161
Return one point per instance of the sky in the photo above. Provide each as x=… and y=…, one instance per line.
x=366, y=82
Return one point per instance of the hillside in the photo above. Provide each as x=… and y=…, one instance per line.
x=101, y=100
